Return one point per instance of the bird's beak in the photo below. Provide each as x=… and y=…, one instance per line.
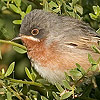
x=22, y=37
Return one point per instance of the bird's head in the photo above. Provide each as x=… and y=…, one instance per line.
x=38, y=25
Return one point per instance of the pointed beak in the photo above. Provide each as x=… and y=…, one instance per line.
x=22, y=37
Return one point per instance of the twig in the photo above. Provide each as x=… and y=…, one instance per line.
x=25, y=82
x=13, y=43
x=15, y=93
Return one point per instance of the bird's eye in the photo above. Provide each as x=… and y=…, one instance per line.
x=34, y=31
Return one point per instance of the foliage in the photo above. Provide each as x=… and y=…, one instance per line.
x=32, y=87
x=96, y=15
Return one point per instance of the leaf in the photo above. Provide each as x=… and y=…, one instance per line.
x=74, y=2
x=95, y=49
x=75, y=73
x=14, y=8
x=98, y=31
x=98, y=61
x=66, y=95
x=79, y=9
x=80, y=68
x=22, y=15
x=45, y=5
x=3, y=71
x=55, y=96
x=53, y=4
x=4, y=8
x=43, y=98
x=56, y=10
x=17, y=21
x=94, y=67
x=28, y=73
x=27, y=98
x=96, y=10
x=59, y=87
x=66, y=85
x=19, y=50
x=10, y=69
x=18, y=3
x=67, y=77
x=33, y=76
x=0, y=55
x=91, y=60
x=29, y=8
x=94, y=17
x=9, y=96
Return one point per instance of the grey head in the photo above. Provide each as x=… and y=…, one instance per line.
x=54, y=27
x=38, y=19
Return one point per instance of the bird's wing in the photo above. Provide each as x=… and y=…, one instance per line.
x=77, y=34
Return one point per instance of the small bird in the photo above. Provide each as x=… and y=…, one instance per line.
x=56, y=43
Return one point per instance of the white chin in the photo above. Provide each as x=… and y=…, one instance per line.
x=31, y=38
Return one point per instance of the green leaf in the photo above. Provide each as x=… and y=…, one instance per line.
x=66, y=95
x=19, y=50
x=9, y=96
x=80, y=68
x=14, y=8
x=91, y=60
x=66, y=85
x=59, y=87
x=22, y=15
x=33, y=76
x=98, y=31
x=75, y=73
x=56, y=10
x=18, y=3
x=0, y=55
x=45, y=5
x=55, y=96
x=94, y=67
x=69, y=7
x=10, y=69
x=4, y=8
x=53, y=4
x=17, y=21
x=29, y=8
x=95, y=49
x=79, y=9
x=43, y=98
x=94, y=17
x=74, y=2
x=98, y=61
x=28, y=73
x=67, y=77
x=3, y=71
x=96, y=10
x=27, y=98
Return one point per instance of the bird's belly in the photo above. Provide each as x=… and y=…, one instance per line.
x=49, y=74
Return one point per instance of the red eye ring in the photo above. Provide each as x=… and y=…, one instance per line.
x=34, y=31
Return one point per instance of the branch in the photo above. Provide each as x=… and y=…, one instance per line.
x=13, y=43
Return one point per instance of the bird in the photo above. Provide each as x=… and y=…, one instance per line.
x=56, y=43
